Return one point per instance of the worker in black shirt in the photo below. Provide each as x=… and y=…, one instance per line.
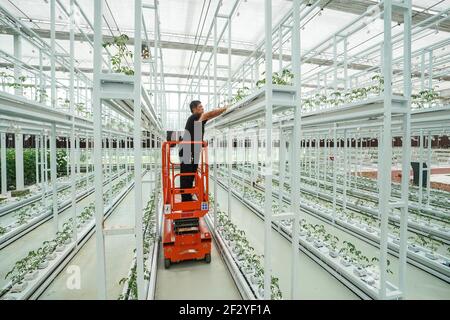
x=190, y=154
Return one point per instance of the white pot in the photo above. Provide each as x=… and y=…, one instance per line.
x=370, y=229
x=360, y=272
x=310, y=238
x=60, y=248
x=431, y=256
x=318, y=243
x=413, y=248
x=261, y=292
x=345, y=262
x=350, y=221
x=68, y=241
x=333, y=253
x=248, y=271
x=51, y=256
x=369, y=280
x=31, y=275
x=19, y=287
x=254, y=279
x=302, y=232
x=43, y=264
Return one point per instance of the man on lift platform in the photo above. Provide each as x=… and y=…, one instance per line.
x=186, y=236
x=194, y=131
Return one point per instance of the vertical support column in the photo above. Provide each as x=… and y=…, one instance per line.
x=180, y=125
x=157, y=105
x=229, y=139
x=384, y=174
x=44, y=168
x=53, y=176
x=138, y=148
x=78, y=155
x=17, y=70
x=430, y=69
x=216, y=140
x=53, y=52
x=3, y=162
x=344, y=192
x=127, y=158
x=422, y=71
x=73, y=176
x=19, y=161
x=429, y=169
x=230, y=93
x=421, y=141
x=406, y=146
x=255, y=157
x=282, y=168
x=280, y=48
x=98, y=167
x=69, y=161
x=334, y=170
x=42, y=84
x=296, y=149
x=268, y=159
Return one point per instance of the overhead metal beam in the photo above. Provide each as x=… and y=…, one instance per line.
x=186, y=76
x=358, y=7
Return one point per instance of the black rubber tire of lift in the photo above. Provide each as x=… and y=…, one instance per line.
x=208, y=258
x=166, y=263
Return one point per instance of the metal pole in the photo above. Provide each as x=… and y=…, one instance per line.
x=53, y=176
x=98, y=168
x=344, y=193
x=429, y=169
x=230, y=168
x=44, y=168
x=19, y=161
x=216, y=142
x=406, y=147
x=138, y=149
x=53, y=52
x=296, y=150
x=334, y=170
x=386, y=147
x=268, y=159
x=421, y=141
x=17, y=70
x=72, y=132
x=3, y=162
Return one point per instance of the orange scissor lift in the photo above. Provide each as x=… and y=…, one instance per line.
x=185, y=236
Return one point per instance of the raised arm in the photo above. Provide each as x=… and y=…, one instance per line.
x=212, y=114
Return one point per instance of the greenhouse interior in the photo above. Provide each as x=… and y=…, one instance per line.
x=225, y=150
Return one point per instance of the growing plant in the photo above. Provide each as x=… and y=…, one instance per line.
x=331, y=240
x=281, y=78
x=42, y=93
x=118, y=60
x=388, y=263
x=241, y=94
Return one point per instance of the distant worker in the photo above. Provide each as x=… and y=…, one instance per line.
x=189, y=154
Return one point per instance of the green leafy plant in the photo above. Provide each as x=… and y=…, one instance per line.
x=118, y=60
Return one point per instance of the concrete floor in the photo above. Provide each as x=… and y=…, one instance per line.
x=195, y=280
x=315, y=282
x=119, y=254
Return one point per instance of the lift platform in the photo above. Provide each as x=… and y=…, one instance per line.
x=185, y=236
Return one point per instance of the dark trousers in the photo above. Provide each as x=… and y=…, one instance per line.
x=187, y=181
